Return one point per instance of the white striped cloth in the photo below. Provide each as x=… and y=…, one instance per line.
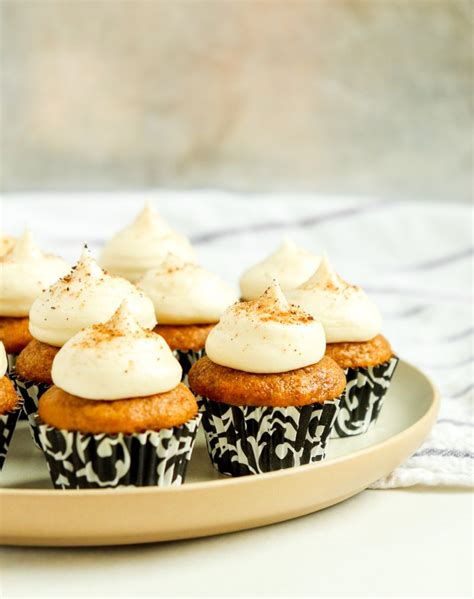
x=414, y=258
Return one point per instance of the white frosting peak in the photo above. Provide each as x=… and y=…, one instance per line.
x=289, y=265
x=84, y=297
x=24, y=272
x=325, y=277
x=143, y=245
x=3, y=361
x=266, y=335
x=116, y=360
x=88, y=265
x=274, y=298
x=25, y=249
x=345, y=311
x=172, y=262
x=122, y=321
x=185, y=293
x=149, y=218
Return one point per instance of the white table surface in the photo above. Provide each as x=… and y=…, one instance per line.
x=400, y=542
x=397, y=543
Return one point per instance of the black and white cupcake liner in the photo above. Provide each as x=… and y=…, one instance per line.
x=7, y=428
x=187, y=359
x=244, y=440
x=30, y=392
x=87, y=461
x=363, y=398
x=11, y=362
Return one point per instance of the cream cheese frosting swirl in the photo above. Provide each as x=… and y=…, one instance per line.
x=3, y=361
x=345, y=311
x=84, y=297
x=24, y=272
x=143, y=245
x=266, y=335
x=289, y=265
x=185, y=293
x=116, y=360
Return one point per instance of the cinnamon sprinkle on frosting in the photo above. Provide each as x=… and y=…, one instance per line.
x=345, y=311
x=121, y=324
x=115, y=360
x=273, y=306
x=85, y=296
x=266, y=335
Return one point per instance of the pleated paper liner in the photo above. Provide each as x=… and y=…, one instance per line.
x=245, y=440
x=30, y=392
x=187, y=359
x=7, y=428
x=363, y=398
x=86, y=461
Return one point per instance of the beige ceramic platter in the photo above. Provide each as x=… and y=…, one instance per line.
x=32, y=513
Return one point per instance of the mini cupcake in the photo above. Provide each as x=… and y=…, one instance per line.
x=143, y=245
x=84, y=297
x=10, y=407
x=289, y=265
x=270, y=395
x=24, y=272
x=117, y=413
x=352, y=323
x=188, y=302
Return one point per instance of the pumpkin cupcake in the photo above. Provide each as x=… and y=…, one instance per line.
x=289, y=265
x=269, y=393
x=84, y=297
x=143, y=245
x=352, y=323
x=10, y=407
x=24, y=272
x=117, y=413
x=188, y=302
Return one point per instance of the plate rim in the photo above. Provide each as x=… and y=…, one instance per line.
x=69, y=494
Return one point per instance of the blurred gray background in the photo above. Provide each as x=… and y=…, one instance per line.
x=362, y=96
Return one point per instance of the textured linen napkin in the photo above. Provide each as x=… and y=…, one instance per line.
x=414, y=259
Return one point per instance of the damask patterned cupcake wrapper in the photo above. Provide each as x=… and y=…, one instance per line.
x=85, y=461
x=363, y=398
x=7, y=428
x=245, y=440
x=11, y=361
x=187, y=359
x=30, y=392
